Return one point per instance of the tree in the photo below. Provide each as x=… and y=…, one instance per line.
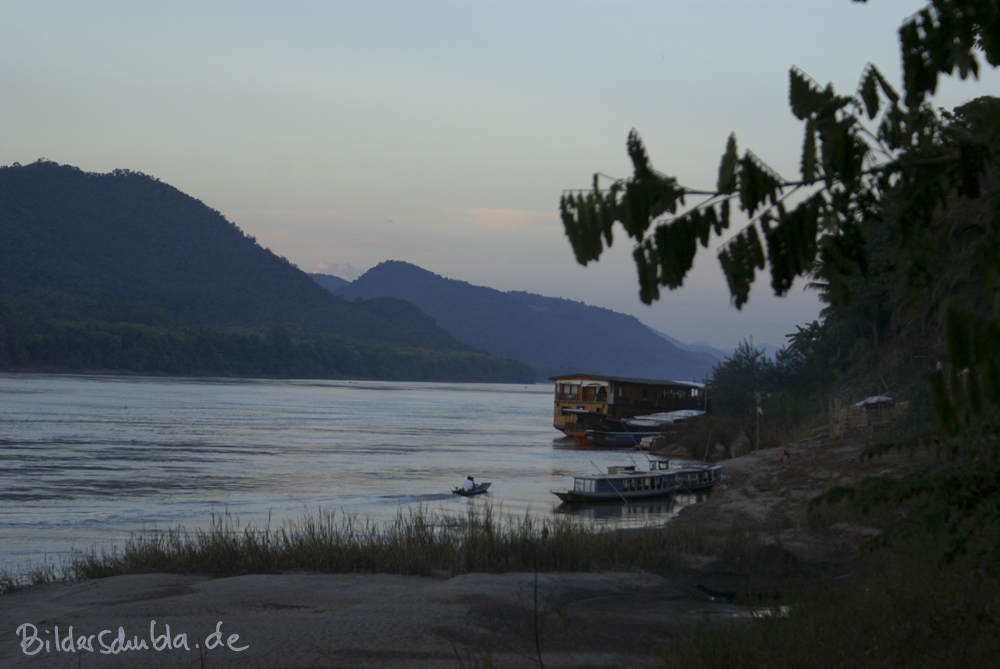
x=740, y=382
x=863, y=156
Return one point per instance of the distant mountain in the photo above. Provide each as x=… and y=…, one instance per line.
x=124, y=247
x=716, y=354
x=128, y=239
x=330, y=282
x=553, y=335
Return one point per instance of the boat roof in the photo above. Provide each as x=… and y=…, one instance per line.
x=624, y=379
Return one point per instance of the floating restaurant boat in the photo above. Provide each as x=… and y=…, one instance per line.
x=593, y=408
x=624, y=483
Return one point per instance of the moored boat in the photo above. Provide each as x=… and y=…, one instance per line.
x=582, y=398
x=699, y=477
x=597, y=430
x=624, y=483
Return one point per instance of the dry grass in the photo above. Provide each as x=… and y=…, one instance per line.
x=415, y=543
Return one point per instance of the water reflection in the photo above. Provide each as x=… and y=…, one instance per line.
x=633, y=512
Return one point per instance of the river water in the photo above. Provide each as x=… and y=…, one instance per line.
x=86, y=461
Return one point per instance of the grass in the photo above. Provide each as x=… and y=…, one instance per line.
x=416, y=543
x=898, y=608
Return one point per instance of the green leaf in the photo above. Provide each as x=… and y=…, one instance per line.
x=868, y=91
x=740, y=259
x=809, y=154
x=804, y=98
x=758, y=183
x=791, y=244
x=637, y=152
x=727, y=167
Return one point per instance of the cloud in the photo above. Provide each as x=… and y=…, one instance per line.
x=344, y=270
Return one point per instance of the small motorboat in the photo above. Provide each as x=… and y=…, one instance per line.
x=478, y=490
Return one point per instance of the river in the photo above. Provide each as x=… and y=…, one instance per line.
x=89, y=460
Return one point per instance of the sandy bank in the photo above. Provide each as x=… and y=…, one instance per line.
x=306, y=620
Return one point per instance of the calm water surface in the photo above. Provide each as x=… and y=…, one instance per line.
x=89, y=460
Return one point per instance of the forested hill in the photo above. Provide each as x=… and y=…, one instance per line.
x=555, y=336
x=124, y=247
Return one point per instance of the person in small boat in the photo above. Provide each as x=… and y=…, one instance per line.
x=470, y=484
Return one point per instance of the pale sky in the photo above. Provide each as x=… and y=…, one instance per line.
x=343, y=134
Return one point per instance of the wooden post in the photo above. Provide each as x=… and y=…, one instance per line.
x=757, y=396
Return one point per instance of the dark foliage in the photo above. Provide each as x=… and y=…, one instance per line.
x=91, y=259
x=281, y=352
x=125, y=238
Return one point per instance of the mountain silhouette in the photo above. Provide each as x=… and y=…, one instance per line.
x=553, y=335
x=82, y=254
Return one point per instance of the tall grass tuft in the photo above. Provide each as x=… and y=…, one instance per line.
x=416, y=542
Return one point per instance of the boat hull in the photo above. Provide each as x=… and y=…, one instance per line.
x=575, y=497
x=478, y=490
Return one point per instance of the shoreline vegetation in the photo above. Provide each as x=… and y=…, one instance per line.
x=416, y=543
x=815, y=598
x=29, y=345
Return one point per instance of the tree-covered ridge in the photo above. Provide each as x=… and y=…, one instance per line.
x=127, y=238
x=277, y=352
x=90, y=264
x=553, y=335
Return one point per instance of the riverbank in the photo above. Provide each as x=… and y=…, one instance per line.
x=361, y=620
x=764, y=541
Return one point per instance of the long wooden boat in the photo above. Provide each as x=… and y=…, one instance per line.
x=618, y=438
x=478, y=490
x=625, y=483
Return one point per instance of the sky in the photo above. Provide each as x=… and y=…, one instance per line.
x=344, y=134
